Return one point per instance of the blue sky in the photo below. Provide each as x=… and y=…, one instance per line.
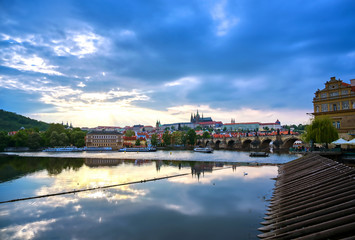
x=137, y=61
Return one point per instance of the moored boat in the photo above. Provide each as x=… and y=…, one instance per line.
x=63, y=149
x=97, y=148
x=258, y=154
x=203, y=150
x=135, y=149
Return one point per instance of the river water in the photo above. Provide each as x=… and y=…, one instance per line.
x=221, y=196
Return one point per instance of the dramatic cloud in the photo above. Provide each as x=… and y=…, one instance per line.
x=137, y=61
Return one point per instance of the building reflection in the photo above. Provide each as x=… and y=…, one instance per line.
x=96, y=162
x=202, y=167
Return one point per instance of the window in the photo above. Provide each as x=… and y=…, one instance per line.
x=334, y=94
x=338, y=125
x=323, y=95
x=317, y=108
x=345, y=105
x=334, y=107
x=344, y=92
x=324, y=107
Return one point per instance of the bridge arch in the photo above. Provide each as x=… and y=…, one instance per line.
x=287, y=143
x=246, y=144
x=208, y=143
x=231, y=144
x=265, y=143
x=216, y=144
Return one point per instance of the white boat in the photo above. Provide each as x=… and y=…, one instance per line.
x=203, y=150
x=134, y=149
x=63, y=149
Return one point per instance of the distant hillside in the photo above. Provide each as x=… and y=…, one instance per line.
x=12, y=122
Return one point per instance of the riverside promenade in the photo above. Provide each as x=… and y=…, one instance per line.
x=314, y=198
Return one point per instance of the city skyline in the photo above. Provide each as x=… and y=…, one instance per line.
x=121, y=63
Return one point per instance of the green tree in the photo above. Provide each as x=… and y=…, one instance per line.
x=154, y=139
x=54, y=139
x=177, y=138
x=138, y=142
x=34, y=141
x=63, y=139
x=77, y=137
x=4, y=141
x=191, y=137
x=321, y=130
x=130, y=133
x=206, y=135
x=166, y=138
x=21, y=138
x=198, y=128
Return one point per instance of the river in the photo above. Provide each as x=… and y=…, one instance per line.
x=218, y=196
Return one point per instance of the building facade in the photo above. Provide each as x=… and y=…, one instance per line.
x=337, y=101
x=103, y=138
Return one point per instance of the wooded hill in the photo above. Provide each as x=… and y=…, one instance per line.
x=13, y=122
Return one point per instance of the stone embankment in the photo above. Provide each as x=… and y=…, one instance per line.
x=314, y=198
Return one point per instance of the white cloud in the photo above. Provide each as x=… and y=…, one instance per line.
x=185, y=81
x=81, y=84
x=78, y=44
x=224, y=22
x=17, y=57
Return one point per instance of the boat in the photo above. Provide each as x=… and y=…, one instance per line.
x=258, y=154
x=63, y=149
x=203, y=150
x=97, y=148
x=136, y=149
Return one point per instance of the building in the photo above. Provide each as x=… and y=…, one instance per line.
x=196, y=118
x=104, y=138
x=252, y=126
x=337, y=101
x=270, y=126
x=248, y=126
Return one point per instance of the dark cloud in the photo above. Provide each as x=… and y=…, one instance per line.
x=277, y=49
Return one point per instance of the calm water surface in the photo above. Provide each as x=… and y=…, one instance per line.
x=215, y=200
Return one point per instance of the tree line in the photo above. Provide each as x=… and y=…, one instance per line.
x=55, y=135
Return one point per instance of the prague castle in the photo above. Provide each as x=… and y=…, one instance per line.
x=337, y=101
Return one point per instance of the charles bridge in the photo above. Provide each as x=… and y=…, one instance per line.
x=279, y=142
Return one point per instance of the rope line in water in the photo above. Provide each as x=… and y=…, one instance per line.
x=96, y=188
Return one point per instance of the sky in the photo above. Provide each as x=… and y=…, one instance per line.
x=117, y=63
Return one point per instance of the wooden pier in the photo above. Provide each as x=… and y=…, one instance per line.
x=314, y=198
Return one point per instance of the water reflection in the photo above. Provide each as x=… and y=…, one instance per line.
x=214, y=201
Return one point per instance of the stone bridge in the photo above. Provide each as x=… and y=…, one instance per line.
x=279, y=142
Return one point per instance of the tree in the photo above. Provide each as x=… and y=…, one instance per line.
x=77, y=137
x=63, y=139
x=166, y=138
x=191, y=137
x=154, y=139
x=21, y=138
x=206, y=135
x=321, y=130
x=138, y=142
x=54, y=139
x=130, y=133
x=34, y=141
x=4, y=141
x=198, y=128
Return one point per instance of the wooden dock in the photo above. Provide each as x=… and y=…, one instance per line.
x=314, y=198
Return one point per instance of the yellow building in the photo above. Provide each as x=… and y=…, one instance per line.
x=337, y=101
x=111, y=139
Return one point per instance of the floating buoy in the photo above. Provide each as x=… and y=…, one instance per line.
x=171, y=153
